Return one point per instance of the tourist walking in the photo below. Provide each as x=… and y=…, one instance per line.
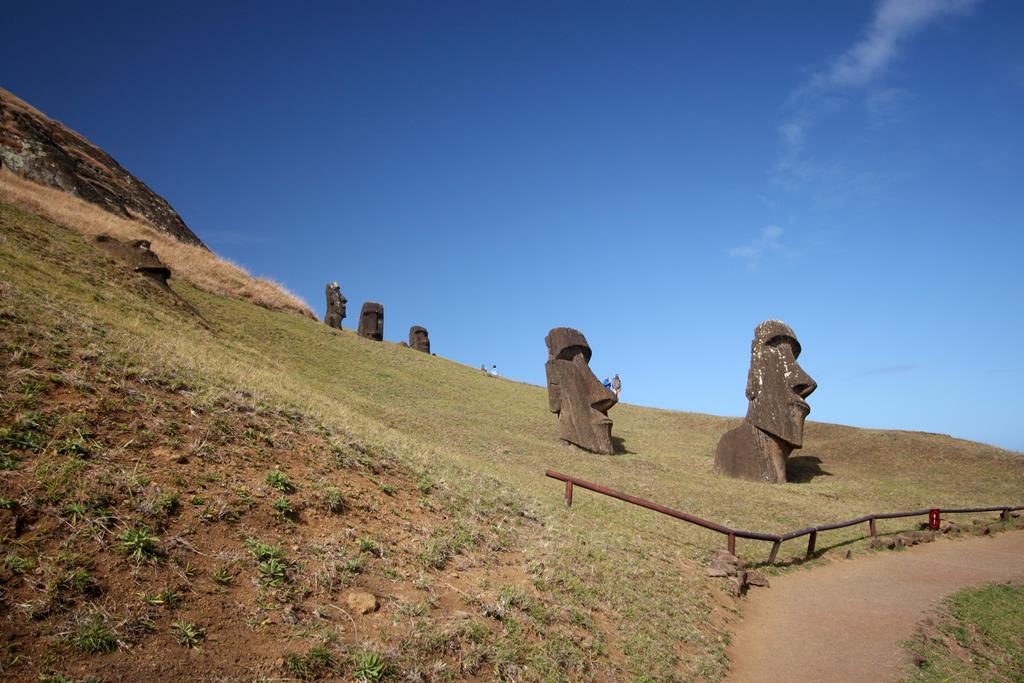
x=616, y=385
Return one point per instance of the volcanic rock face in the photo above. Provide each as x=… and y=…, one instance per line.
x=41, y=149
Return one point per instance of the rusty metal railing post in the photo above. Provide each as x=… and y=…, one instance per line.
x=775, y=551
x=811, y=540
x=568, y=493
x=731, y=544
x=871, y=525
x=1004, y=515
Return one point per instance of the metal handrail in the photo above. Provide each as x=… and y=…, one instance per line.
x=776, y=539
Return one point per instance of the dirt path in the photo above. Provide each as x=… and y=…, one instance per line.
x=844, y=621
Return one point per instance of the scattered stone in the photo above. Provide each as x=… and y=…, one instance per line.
x=362, y=603
x=848, y=554
x=756, y=578
x=720, y=570
x=419, y=339
x=575, y=394
x=986, y=530
x=371, y=321
x=178, y=459
x=776, y=388
x=336, y=308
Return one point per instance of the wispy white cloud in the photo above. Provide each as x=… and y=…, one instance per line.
x=769, y=241
x=854, y=74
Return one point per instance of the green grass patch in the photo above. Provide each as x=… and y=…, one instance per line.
x=978, y=635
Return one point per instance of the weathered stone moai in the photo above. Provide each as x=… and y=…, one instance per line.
x=138, y=255
x=371, y=321
x=575, y=394
x=776, y=388
x=419, y=339
x=336, y=305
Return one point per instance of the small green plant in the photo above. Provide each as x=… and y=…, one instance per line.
x=165, y=598
x=273, y=572
x=425, y=485
x=188, y=634
x=222, y=576
x=17, y=564
x=263, y=551
x=283, y=507
x=93, y=635
x=8, y=503
x=354, y=565
x=75, y=512
x=167, y=503
x=334, y=501
x=77, y=445
x=138, y=543
x=280, y=481
x=387, y=489
x=369, y=546
x=311, y=665
x=369, y=666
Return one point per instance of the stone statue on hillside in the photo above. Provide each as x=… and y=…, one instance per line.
x=575, y=394
x=371, y=321
x=335, y=305
x=419, y=339
x=139, y=257
x=776, y=388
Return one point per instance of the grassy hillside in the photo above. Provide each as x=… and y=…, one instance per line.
x=128, y=417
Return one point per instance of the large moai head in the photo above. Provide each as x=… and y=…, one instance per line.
x=371, y=321
x=419, y=339
x=776, y=388
x=776, y=384
x=138, y=254
x=575, y=394
x=336, y=305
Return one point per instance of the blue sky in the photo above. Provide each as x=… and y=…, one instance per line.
x=660, y=175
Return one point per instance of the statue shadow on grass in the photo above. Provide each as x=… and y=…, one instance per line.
x=804, y=468
x=619, y=446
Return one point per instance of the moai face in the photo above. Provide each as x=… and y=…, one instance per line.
x=419, y=339
x=575, y=394
x=336, y=305
x=371, y=321
x=776, y=384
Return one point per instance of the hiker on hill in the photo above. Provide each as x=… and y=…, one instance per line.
x=494, y=371
x=616, y=385
x=607, y=383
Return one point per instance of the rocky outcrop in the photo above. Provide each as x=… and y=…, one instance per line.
x=36, y=147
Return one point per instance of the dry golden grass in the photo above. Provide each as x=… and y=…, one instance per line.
x=199, y=266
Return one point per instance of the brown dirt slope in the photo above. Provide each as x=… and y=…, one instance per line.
x=35, y=146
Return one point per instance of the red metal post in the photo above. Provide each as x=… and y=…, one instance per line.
x=811, y=540
x=1004, y=515
x=568, y=493
x=934, y=520
x=871, y=525
x=775, y=551
x=732, y=544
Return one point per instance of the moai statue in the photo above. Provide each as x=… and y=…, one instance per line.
x=139, y=255
x=419, y=339
x=371, y=321
x=575, y=394
x=335, y=305
x=776, y=388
